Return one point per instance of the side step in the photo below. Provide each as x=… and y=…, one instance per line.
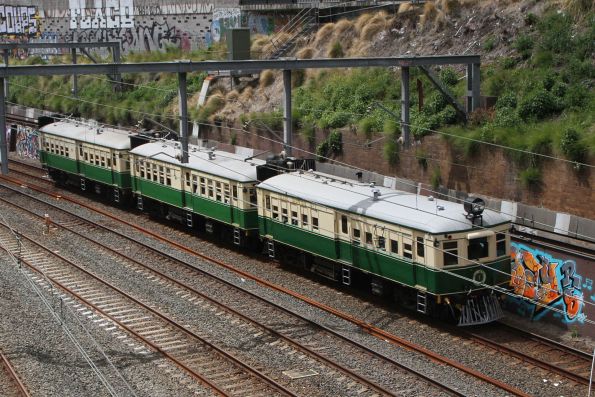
x=422, y=302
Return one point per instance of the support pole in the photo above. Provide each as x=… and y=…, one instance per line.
x=3, y=146
x=117, y=59
x=287, y=122
x=5, y=54
x=475, y=95
x=183, y=115
x=405, y=105
x=75, y=90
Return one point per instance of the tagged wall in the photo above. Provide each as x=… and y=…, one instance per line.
x=139, y=25
x=552, y=280
x=26, y=141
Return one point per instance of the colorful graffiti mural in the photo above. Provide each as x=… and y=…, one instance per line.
x=547, y=281
x=19, y=20
x=27, y=141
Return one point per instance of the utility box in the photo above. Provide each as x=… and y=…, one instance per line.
x=238, y=44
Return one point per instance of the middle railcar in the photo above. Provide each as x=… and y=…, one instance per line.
x=215, y=190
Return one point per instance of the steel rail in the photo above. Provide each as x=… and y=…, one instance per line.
x=171, y=322
x=13, y=374
x=366, y=327
x=228, y=309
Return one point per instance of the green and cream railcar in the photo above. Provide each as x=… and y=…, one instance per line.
x=395, y=238
x=216, y=186
x=92, y=157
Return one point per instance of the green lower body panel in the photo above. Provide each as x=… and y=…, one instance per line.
x=208, y=208
x=381, y=263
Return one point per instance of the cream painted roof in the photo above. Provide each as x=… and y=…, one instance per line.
x=102, y=136
x=224, y=164
x=392, y=206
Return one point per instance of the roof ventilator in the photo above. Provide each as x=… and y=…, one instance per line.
x=211, y=155
x=474, y=207
x=376, y=193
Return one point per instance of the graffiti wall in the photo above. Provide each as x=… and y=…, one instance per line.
x=557, y=286
x=25, y=139
x=138, y=25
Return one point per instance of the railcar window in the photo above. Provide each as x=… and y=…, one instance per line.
x=203, y=186
x=356, y=233
x=294, y=218
x=210, y=184
x=407, y=251
x=304, y=220
x=314, y=223
x=109, y=162
x=451, y=252
x=66, y=151
x=369, y=239
x=284, y=218
x=394, y=246
x=344, y=227
x=102, y=160
x=187, y=179
x=500, y=244
x=234, y=193
x=218, y=191
x=267, y=202
x=275, y=212
x=194, y=184
x=381, y=243
x=226, y=193
x=478, y=248
x=168, y=176
x=420, y=247
x=252, y=193
x=114, y=159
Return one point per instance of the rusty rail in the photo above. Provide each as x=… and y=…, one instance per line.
x=15, y=377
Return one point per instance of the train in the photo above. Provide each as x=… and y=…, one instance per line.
x=436, y=257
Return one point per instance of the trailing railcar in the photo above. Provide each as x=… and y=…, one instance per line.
x=95, y=158
x=214, y=189
x=432, y=255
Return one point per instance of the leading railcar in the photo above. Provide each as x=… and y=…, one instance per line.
x=437, y=257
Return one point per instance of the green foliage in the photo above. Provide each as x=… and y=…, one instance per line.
x=538, y=105
x=531, y=178
x=336, y=50
x=333, y=145
x=308, y=131
x=507, y=100
x=509, y=62
x=449, y=77
x=366, y=127
x=524, y=45
x=572, y=147
x=530, y=19
x=233, y=138
x=436, y=102
x=391, y=127
x=390, y=150
x=489, y=44
x=436, y=178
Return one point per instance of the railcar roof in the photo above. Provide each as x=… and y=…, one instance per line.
x=392, y=206
x=107, y=137
x=224, y=164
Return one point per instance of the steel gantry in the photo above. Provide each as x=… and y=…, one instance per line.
x=286, y=65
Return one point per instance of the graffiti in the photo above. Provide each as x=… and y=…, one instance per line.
x=106, y=14
x=27, y=143
x=224, y=19
x=19, y=20
x=174, y=9
x=548, y=282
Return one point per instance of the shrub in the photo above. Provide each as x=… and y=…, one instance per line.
x=449, y=77
x=390, y=127
x=506, y=117
x=435, y=103
x=436, y=178
x=572, y=147
x=308, y=132
x=507, y=100
x=390, y=151
x=531, y=178
x=335, y=142
x=530, y=19
x=489, y=44
x=537, y=105
x=524, y=44
x=322, y=151
x=336, y=50
x=267, y=78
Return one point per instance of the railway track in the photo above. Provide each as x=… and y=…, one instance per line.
x=552, y=356
x=379, y=333
x=11, y=384
x=276, y=325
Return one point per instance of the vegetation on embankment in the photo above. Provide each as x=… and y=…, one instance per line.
x=543, y=77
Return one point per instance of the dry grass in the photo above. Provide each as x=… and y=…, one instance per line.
x=267, y=77
x=371, y=30
x=361, y=22
x=324, y=33
x=448, y=6
x=342, y=26
x=247, y=95
x=232, y=96
x=305, y=53
x=578, y=8
x=405, y=7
